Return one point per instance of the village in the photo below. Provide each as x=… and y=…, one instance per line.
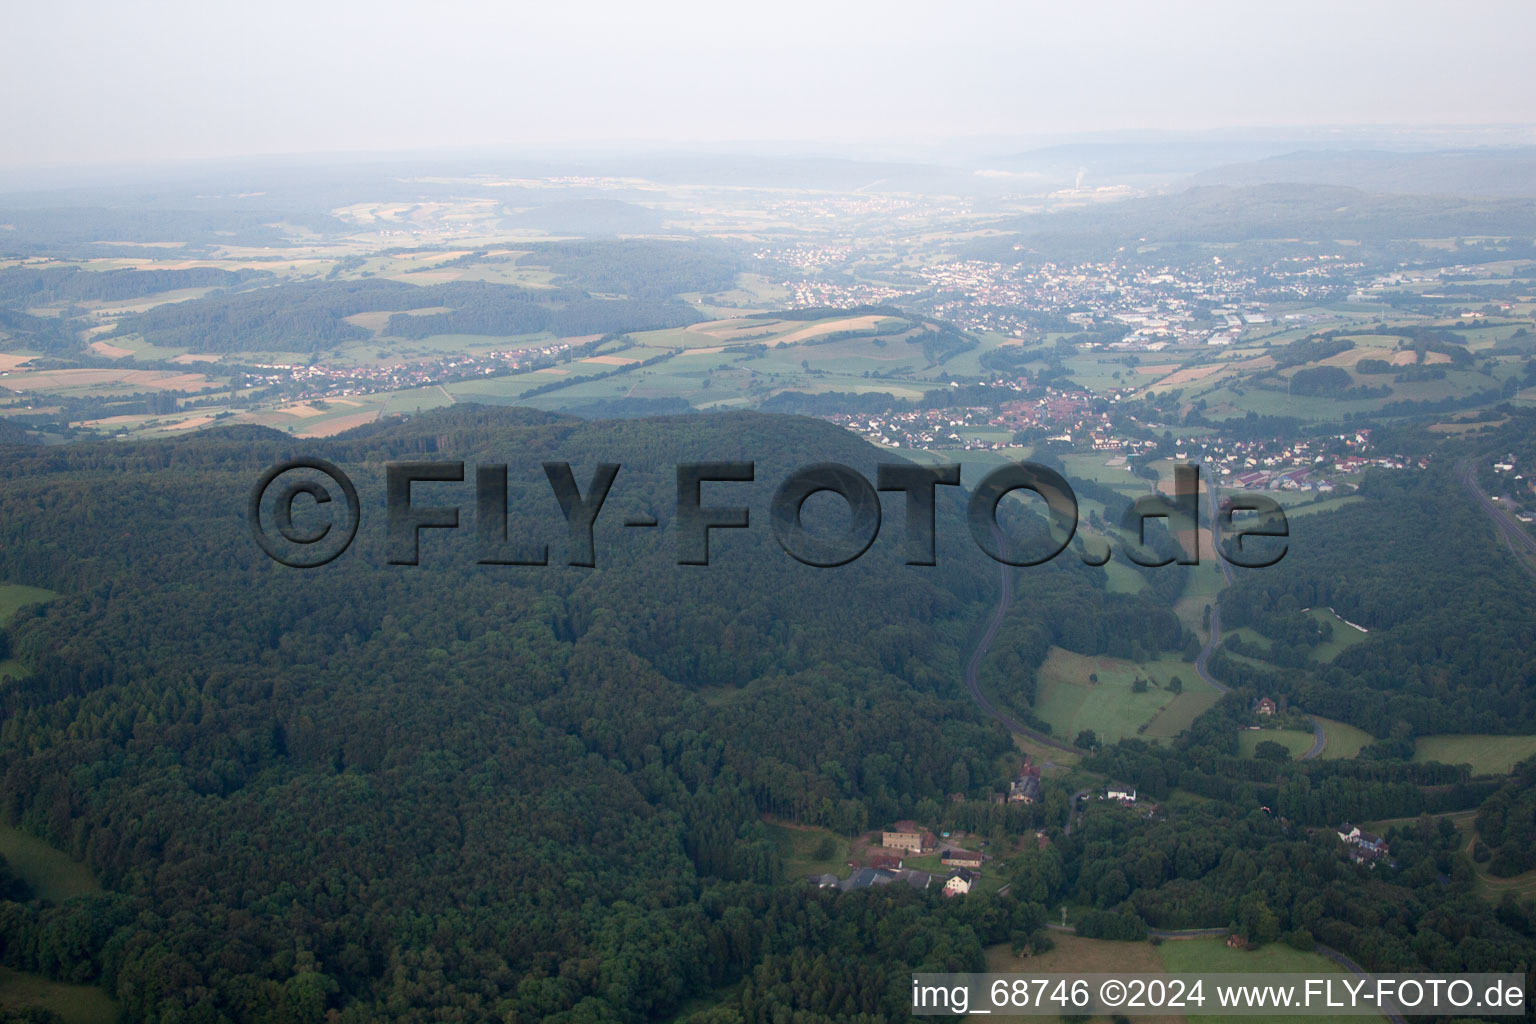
x=1078, y=420
x=1204, y=303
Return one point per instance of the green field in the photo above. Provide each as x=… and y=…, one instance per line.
x=1345, y=636
x=1488, y=755
x=1096, y=466
x=1067, y=699
x=1493, y=888
x=1076, y=955
x=75, y=1004
x=52, y=875
x=15, y=596
x=1198, y=698
x=1250, y=637
x=1294, y=740
x=1343, y=740
x=1120, y=578
x=1314, y=507
x=1190, y=956
x=801, y=850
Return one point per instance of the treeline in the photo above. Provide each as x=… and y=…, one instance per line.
x=830, y=403
x=35, y=286
x=310, y=316
x=492, y=309
x=92, y=232
x=639, y=269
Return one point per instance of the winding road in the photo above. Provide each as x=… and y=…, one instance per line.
x=1353, y=968
x=973, y=667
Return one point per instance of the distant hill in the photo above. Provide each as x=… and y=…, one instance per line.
x=1473, y=172
x=1225, y=213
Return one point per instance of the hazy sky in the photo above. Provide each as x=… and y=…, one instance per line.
x=90, y=81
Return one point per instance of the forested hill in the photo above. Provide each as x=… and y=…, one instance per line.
x=310, y=315
x=1452, y=641
x=457, y=791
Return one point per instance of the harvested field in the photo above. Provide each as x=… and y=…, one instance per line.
x=340, y=424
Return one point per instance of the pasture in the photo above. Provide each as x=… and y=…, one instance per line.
x=1343, y=740
x=1294, y=740
x=1345, y=635
x=51, y=873
x=1192, y=956
x=16, y=596
x=1074, y=954
x=1308, y=508
x=74, y=1004
x=1069, y=699
x=1488, y=755
x=809, y=851
x=1198, y=698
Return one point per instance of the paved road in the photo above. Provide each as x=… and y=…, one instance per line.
x=1319, y=738
x=972, y=667
x=1521, y=544
x=1353, y=968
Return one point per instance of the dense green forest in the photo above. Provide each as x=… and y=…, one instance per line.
x=484, y=789
x=33, y=286
x=463, y=791
x=308, y=316
x=638, y=268
x=1452, y=646
x=42, y=333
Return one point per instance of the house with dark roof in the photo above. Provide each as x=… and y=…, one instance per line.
x=864, y=878
x=1025, y=790
x=1364, y=847
x=960, y=859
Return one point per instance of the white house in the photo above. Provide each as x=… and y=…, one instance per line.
x=959, y=883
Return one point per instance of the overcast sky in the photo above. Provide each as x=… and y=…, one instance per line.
x=90, y=81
